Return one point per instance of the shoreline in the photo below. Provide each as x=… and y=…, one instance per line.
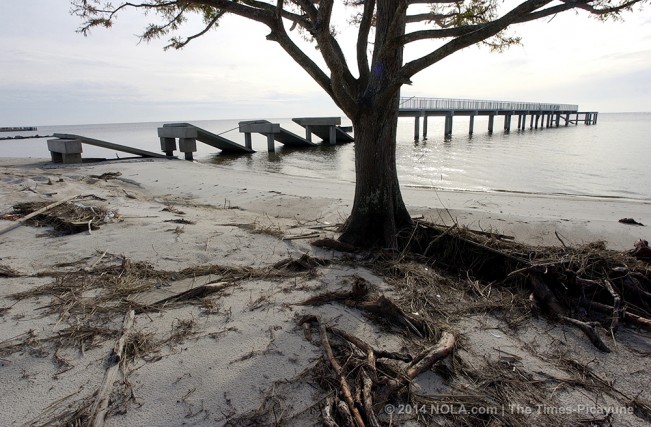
x=530, y=218
x=223, y=359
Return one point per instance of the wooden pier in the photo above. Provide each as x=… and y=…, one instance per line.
x=539, y=115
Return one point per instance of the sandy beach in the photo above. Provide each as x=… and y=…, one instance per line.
x=238, y=357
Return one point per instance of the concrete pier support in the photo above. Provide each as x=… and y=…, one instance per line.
x=519, y=121
x=531, y=122
x=187, y=136
x=168, y=146
x=271, y=146
x=507, y=122
x=537, y=119
x=247, y=140
x=416, y=128
x=424, y=126
x=260, y=126
x=472, y=124
x=65, y=150
x=448, y=126
x=188, y=146
x=491, y=122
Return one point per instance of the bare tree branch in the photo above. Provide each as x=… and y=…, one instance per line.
x=362, y=40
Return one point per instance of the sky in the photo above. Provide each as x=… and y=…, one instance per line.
x=52, y=75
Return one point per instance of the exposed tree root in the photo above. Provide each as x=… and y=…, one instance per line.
x=371, y=387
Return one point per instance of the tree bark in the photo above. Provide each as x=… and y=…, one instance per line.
x=378, y=209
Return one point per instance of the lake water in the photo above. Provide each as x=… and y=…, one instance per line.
x=610, y=159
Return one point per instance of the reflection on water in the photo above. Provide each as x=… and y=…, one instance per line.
x=609, y=159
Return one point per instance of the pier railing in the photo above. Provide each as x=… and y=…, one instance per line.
x=416, y=103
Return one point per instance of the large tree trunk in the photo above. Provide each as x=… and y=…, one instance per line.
x=378, y=210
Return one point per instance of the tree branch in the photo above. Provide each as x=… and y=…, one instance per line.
x=343, y=84
x=482, y=32
x=362, y=40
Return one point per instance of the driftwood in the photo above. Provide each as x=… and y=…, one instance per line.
x=35, y=213
x=627, y=316
x=333, y=244
x=642, y=250
x=343, y=382
x=617, y=310
x=195, y=293
x=326, y=413
x=100, y=406
x=359, y=297
x=420, y=364
x=372, y=387
x=302, y=236
x=546, y=298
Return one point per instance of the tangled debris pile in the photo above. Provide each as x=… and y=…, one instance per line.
x=448, y=273
x=66, y=218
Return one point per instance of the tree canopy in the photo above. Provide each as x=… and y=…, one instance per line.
x=366, y=87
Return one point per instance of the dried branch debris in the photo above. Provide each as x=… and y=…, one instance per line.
x=362, y=388
x=572, y=285
x=65, y=217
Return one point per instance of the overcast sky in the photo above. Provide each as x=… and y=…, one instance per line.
x=49, y=74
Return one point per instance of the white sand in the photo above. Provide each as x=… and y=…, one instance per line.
x=249, y=354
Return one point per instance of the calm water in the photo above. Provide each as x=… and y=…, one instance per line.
x=610, y=159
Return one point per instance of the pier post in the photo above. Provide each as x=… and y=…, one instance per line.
x=537, y=119
x=308, y=133
x=519, y=121
x=448, y=125
x=558, y=119
x=531, y=122
x=168, y=145
x=424, y=126
x=333, y=135
x=491, y=120
x=416, y=128
x=507, y=122
x=594, y=121
x=270, y=143
x=472, y=124
x=524, y=121
x=188, y=146
x=567, y=119
x=247, y=140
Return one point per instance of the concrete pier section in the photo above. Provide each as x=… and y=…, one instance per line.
x=273, y=132
x=186, y=131
x=326, y=128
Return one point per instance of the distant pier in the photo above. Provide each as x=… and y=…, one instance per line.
x=539, y=114
x=17, y=128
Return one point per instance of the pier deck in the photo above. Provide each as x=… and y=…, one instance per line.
x=274, y=132
x=326, y=128
x=110, y=145
x=214, y=140
x=545, y=115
